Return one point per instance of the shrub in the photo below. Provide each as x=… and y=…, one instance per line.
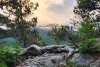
x=71, y=64
x=85, y=38
x=2, y=64
x=88, y=42
x=58, y=34
x=8, y=55
x=89, y=46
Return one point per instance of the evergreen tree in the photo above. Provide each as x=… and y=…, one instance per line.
x=89, y=29
x=88, y=42
x=84, y=7
x=20, y=10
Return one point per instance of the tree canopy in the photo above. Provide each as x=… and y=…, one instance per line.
x=17, y=12
x=85, y=7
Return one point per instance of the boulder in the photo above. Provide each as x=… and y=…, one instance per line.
x=86, y=60
x=58, y=56
x=32, y=50
x=53, y=49
x=46, y=60
x=35, y=50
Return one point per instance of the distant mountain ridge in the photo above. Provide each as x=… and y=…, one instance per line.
x=49, y=25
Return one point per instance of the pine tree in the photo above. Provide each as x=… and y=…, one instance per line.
x=19, y=26
x=84, y=7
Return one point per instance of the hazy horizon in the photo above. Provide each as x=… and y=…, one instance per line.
x=55, y=11
x=59, y=12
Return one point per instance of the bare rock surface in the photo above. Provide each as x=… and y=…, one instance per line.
x=57, y=56
x=35, y=50
x=86, y=60
x=46, y=60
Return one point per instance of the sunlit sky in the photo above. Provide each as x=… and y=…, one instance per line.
x=55, y=11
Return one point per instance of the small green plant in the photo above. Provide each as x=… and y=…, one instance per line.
x=2, y=64
x=88, y=42
x=8, y=55
x=89, y=46
x=71, y=64
x=85, y=38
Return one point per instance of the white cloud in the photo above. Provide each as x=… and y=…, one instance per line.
x=54, y=11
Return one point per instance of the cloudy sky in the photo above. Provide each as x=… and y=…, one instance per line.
x=55, y=11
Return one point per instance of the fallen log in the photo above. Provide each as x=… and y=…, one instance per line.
x=35, y=50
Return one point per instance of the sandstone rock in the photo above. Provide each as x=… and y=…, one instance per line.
x=53, y=49
x=86, y=60
x=32, y=50
x=35, y=50
x=49, y=56
x=46, y=60
x=57, y=56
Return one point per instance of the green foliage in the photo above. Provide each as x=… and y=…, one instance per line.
x=84, y=7
x=74, y=38
x=20, y=9
x=87, y=28
x=8, y=55
x=86, y=4
x=88, y=42
x=89, y=46
x=85, y=38
x=4, y=33
x=58, y=34
x=70, y=64
x=2, y=64
x=34, y=37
